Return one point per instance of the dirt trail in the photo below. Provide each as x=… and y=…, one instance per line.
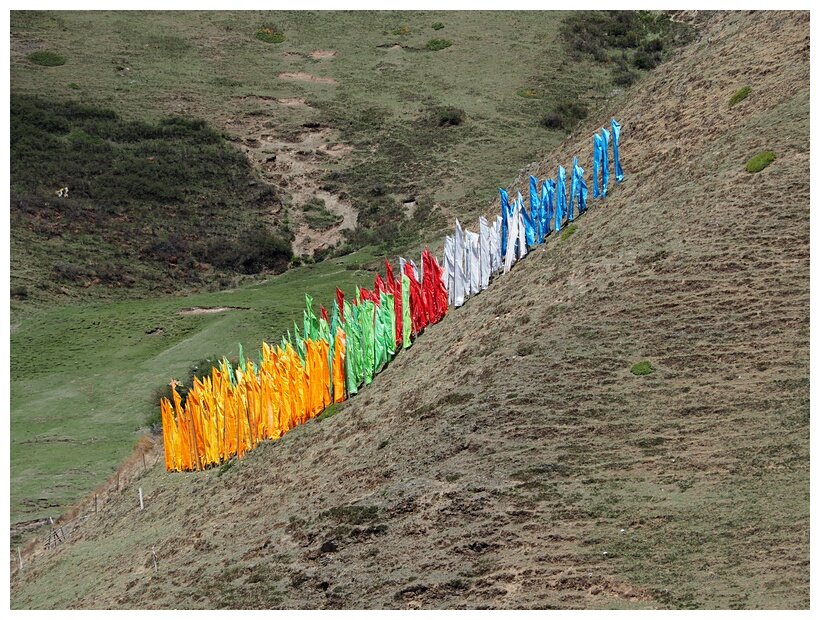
x=293, y=161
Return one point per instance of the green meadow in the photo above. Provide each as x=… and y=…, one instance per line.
x=82, y=375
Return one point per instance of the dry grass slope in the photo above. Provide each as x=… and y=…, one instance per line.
x=510, y=459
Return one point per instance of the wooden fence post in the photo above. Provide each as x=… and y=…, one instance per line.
x=141, y=505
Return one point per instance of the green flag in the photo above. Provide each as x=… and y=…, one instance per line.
x=406, y=320
x=367, y=318
x=353, y=351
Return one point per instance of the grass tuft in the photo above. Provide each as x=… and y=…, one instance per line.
x=570, y=230
x=740, y=95
x=758, y=162
x=270, y=34
x=45, y=58
x=642, y=368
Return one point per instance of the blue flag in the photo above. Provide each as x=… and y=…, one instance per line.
x=544, y=211
x=596, y=164
x=616, y=134
x=550, y=183
x=605, y=161
x=573, y=189
x=560, y=198
x=580, y=186
x=529, y=225
x=535, y=210
x=505, y=214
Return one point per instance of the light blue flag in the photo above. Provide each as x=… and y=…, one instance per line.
x=529, y=225
x=560, y=198
x=535, y=208
x=505, y=214
x=550, y=203
x=605, y=161
x=596, y=164
x=580, y=185
x=573, y=189
x=543, y=212
x=616, y=134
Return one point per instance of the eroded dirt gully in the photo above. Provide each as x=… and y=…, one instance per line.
x=292, y=160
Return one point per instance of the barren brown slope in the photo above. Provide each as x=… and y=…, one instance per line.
x=509, y=459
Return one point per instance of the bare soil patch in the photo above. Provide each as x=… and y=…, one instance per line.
x=309, y=77
x=323, y=53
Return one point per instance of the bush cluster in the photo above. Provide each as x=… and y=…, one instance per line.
x=252, y=251
x=564, y=115
x=644, y=37
x=449, y=116
x=438, y=44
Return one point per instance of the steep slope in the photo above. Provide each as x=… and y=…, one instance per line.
x=510, y=459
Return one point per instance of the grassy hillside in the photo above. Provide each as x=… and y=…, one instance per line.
x=152, y=207
x=195, y=152
x=512, y=445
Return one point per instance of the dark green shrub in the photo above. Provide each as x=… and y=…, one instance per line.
x=552, y=120
x=438, y=44
x=270, y=34
x=449, y=116
x=45, y=58
x=625, y=78
x=437, y=26
x=740, y=95
x=642, y=368
x=646, y=61
x=252, y=251
x=19, y=292
x=758, y=162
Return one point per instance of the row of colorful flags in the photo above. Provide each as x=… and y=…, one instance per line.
x=231, y=411
x=336, y=354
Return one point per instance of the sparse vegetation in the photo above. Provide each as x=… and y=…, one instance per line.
x=528, y=93
x=568, y=231
x=760, y=161
x=318, y=216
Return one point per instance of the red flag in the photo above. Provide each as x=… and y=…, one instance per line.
x=394, y=287
x=435, y=292
x=379, y=285
x=340, y=301
x=324, y=313
x=417, y=310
